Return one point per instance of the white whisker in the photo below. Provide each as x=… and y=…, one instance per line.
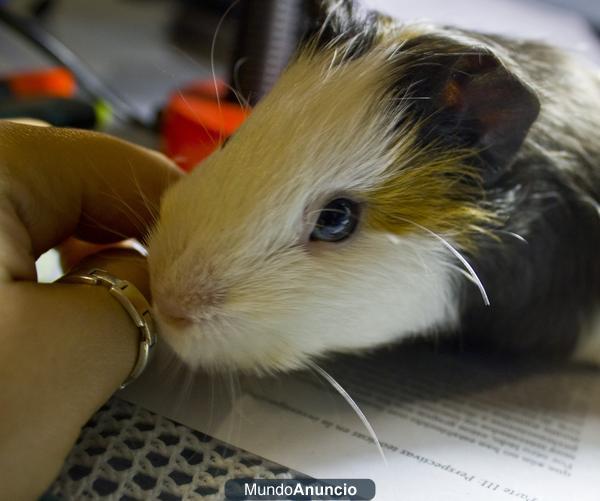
x=323, y=373
x=458, y=255
x=513, y=234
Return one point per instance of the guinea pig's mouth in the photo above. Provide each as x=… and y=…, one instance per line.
x=224, y=345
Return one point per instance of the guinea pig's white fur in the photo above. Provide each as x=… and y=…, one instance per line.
x=237, y=284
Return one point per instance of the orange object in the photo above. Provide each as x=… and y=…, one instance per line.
x=52, y=82
x=195, y=122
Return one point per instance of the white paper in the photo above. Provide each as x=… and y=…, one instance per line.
x=452, y=428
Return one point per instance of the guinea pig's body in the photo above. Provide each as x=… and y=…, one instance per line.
x=395, y=179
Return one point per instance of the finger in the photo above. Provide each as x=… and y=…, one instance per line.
x=64, y=182
x=73, y=251
x=30, y=121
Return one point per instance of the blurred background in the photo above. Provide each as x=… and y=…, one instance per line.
x=145, y=65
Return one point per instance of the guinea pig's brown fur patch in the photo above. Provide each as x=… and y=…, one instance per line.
x=436, y=191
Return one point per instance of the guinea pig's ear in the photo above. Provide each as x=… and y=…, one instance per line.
x=473, y=101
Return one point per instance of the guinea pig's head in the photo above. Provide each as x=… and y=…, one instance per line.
x=324, y=224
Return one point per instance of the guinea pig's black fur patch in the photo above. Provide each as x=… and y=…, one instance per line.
x=345, y=23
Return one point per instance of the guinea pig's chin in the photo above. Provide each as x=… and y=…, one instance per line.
x=212, y=348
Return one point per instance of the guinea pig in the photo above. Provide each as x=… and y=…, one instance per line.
x=397, y=181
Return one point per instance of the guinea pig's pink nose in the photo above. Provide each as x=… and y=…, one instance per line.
x=185, y=309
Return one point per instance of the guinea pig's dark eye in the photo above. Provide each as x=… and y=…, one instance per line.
x=337, y=220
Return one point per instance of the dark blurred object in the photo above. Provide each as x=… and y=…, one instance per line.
x=60, y=112
x=41, y=9
x=89, y=83
x=261, y=34
x=269, y=33
x=195, y=23
x=49, y=95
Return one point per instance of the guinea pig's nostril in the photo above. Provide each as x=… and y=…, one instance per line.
x=178, y=322
x=172, y=316
x=182, y=310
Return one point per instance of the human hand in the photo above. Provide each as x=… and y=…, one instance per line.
x=56, y=183
x=64, y=348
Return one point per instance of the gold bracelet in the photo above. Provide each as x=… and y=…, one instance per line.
x=134, y=303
